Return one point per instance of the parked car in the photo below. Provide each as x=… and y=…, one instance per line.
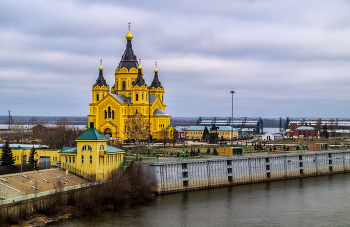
x=57, y=164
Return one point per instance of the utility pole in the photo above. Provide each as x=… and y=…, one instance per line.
x=9, y=120
x=232, y=92
x=149, y=117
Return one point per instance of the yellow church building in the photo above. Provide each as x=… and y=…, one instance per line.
x=111, y=108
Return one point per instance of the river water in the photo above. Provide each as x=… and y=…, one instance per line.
x=313, y=201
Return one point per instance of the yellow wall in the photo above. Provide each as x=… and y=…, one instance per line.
x=227, y=151
x=101, y=164
x=19, y=154
x=198, y=134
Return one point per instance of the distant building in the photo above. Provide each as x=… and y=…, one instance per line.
x=196, y=132
x=301, y=131
x=178, y=133
x=272, y=136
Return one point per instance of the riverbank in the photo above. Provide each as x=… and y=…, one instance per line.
x=120, y=190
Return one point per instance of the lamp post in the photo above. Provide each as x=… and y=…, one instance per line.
x=232, y=92
x=149, y=117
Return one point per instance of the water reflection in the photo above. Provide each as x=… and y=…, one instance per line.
x=314, y=201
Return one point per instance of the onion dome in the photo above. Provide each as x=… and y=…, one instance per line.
x=128, y=36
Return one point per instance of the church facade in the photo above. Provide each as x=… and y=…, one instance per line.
x=111, y=108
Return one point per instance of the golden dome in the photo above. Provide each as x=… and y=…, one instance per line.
x=156, y=70
x=128, y=36
x=101, y=67
x=139, y=66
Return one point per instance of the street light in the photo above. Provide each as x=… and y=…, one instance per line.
x=232, y=92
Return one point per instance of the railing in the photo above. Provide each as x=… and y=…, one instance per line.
x=45, y=193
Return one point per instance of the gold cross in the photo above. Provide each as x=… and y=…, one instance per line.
x=129, y=25
x=156, y=64
x=101, y=62
x=139, y=61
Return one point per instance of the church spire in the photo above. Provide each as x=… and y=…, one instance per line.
x=156, y=83
x=101, y=80
x=129, y=59
x=139, y=79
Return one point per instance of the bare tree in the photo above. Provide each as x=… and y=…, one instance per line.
x=165, y=136
x=318, y=127
x=137, y=131
x=333, y=126
x=59, y=136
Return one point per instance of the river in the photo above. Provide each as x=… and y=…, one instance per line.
x=313, y=201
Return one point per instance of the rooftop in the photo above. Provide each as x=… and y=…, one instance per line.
x=91, y=134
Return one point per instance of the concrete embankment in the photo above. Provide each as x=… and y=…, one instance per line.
x=207, y=173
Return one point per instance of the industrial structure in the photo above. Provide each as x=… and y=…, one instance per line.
x=252, y=125
x=339, y=125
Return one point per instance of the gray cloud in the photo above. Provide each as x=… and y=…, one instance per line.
x=281, y=58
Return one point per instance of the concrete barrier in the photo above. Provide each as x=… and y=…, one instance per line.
x=207, y=173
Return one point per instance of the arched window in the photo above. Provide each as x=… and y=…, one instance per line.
x=84, y=148
x=137, y=97
x=112, y=114
x=125, y=111
x=142, y=96
x=146, y=97
x=89, y=148
x=136, y=111
x=125, y=128
x=105, y=114
x=123, y=86
x=102, y=148
x=109, y=112
x=97, y=97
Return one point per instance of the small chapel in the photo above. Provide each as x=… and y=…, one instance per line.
x=111, y=108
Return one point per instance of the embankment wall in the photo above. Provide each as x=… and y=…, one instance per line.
x=207, y=173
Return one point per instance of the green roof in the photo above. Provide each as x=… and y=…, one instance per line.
x=201, y=128
x=70, y=150
x=176, y=129
x=305, y=128
x=111, y=149
x=91, y=134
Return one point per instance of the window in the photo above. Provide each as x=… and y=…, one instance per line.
x=73, y=159
x=124, y=128
x=84, y=148
x=97, y=97
x=137, y=97
x=142, y=96
x=70, y=159
x=89, y=148
x=123, y=86
x=109, y=112
x=66, y=159
x=125, y=111
x=90, y=159
x=112, y=114
x=82, y=159
x=102, y=148
x=105, y=114
x=136, y=111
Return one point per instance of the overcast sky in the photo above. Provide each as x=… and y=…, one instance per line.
x=282, y=58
